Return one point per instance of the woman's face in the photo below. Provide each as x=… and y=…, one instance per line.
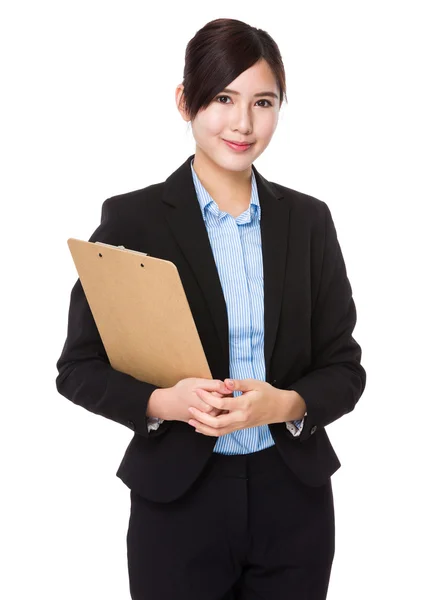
x=239, y=115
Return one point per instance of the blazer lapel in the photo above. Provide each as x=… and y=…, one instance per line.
x=274, y=225
x=184, y=217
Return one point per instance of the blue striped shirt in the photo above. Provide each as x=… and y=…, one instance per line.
x=236, y=246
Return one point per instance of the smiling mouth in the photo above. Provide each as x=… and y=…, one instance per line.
x=238, y=143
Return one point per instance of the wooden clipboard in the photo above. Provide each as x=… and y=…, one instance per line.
x=141, y=312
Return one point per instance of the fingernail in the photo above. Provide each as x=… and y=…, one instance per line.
x=230, y=383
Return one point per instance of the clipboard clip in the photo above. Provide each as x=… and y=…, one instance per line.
x=112, y=246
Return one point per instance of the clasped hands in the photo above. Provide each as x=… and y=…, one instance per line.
x=259, y=404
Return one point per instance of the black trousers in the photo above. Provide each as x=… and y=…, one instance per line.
x=247, y=529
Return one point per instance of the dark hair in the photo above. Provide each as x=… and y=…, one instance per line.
x=220, y=52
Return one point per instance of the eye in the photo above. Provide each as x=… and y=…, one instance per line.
x=263, y=100
x=218, y=98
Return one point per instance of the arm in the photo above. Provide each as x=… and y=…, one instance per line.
x=294, y=405
x=85, y=375
x=153, y=409
x=336, y=379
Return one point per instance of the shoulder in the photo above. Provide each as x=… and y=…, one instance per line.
x=303, y=204
x=130, y=203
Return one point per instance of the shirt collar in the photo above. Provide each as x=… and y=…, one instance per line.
x=206, y=201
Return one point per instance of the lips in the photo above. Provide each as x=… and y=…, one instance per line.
x=237, y=147
x=237, y=143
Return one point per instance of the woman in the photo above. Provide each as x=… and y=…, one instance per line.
x=230, y=479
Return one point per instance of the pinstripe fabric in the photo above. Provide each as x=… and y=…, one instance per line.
x=236, y=246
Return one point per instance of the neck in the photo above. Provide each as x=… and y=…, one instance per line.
x=229, y=187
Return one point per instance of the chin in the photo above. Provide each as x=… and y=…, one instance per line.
x=224, y=159
x=235, y=162
x=236, y=165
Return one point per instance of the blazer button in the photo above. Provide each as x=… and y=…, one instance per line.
x=131, y=425
x=314, y=429
x=273, y=382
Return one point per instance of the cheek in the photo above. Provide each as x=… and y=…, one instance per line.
x=215, y=124
x=211, y=122
x=265, y=127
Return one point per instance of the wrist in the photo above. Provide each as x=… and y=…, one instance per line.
x=292, y=406
x=156, y=404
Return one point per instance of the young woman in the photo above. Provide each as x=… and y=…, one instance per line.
x=230, y=478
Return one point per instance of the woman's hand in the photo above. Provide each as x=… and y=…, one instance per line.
x=176, y=400
x=260, y=404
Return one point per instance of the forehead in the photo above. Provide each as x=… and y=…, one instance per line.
x=258, y=78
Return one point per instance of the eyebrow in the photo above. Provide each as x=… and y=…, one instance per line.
x=272, y=94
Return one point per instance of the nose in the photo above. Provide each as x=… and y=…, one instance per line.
x=242, y=120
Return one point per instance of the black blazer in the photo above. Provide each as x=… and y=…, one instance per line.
x=309, y=317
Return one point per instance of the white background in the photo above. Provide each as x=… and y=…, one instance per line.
x=88, y=112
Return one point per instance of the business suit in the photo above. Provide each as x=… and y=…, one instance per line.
x=309, y=316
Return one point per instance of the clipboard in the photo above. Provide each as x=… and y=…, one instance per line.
x=141, y=312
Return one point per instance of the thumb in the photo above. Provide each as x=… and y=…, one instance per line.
x=242, y=385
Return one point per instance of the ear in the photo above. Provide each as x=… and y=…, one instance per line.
x=179, y=99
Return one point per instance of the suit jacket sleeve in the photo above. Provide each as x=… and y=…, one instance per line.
x=85, y=375
x=336, y=379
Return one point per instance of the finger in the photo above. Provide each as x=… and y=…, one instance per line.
x=204, y=407
x=213, y=385
x=211, y=410
x=218, y=422
x=218, y=395
x=214, y=412
x=205, y=429
x=224, y=389
x=226, y=402
x=243, y=385
x=202, y=404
